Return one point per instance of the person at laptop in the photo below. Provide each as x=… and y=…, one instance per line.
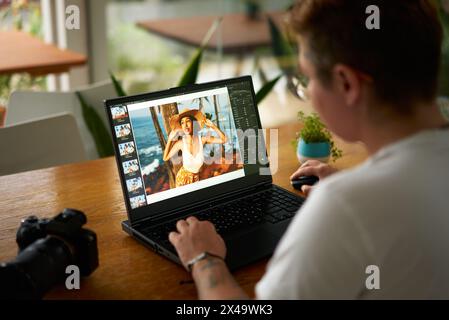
x=378, y=231
x=187, y=124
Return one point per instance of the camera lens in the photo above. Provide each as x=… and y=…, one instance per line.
x=42, y=264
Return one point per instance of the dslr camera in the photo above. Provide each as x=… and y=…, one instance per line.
x=46, y=248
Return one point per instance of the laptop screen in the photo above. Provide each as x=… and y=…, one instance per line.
x=179, y=143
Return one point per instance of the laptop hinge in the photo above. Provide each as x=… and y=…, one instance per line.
x=169, y=215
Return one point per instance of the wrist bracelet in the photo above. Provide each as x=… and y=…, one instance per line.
x=200, y=257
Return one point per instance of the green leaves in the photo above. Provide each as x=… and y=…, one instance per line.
x=444, y=15
x=5, y=87
x=444, y=73
x=315, y=131
x=191, y=73
x=190, y=76
x=266, y=88
x=282, y=49
x=285, y=56
x=97, y=128
x=117, y=85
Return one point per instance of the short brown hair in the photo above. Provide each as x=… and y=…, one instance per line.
x=403, y=56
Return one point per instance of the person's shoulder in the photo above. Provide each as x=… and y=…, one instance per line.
x=353, y=185
x=346, y=179
x=334, y=195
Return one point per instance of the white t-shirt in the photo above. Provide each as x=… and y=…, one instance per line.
x=391, y=212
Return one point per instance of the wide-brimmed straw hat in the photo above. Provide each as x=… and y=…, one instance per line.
x=175, y=122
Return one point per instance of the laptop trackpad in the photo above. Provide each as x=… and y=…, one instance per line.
x=250, y=246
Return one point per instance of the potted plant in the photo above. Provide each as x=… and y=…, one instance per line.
x=314, y=141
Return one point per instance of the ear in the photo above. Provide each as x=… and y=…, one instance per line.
x=347, y=83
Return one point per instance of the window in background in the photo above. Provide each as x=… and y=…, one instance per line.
x=147, y=62
x=24, y=16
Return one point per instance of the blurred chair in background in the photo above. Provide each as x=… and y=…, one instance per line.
x=27, y=105
x=40, y=143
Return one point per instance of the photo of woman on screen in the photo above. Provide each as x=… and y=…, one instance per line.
x=187, y=125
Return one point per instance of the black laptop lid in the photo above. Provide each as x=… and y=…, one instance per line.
x=141, y=126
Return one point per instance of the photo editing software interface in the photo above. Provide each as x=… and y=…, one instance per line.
x=177, y=144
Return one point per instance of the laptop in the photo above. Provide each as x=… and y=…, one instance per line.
x=197, y=151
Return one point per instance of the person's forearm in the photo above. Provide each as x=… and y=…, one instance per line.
x=214, y=281
x=220, y=134
x=167, y=150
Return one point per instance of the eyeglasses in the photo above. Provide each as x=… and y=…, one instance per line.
x=298, y=86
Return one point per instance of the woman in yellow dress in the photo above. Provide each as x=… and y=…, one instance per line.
x=187, y=124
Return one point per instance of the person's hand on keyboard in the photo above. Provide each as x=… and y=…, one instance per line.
x=313, y=168
x=194, y=237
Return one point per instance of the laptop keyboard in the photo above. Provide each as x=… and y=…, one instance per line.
x=273, y=206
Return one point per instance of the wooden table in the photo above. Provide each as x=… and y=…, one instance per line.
x=127, y=269
x=239, y=33
x=20, y=52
